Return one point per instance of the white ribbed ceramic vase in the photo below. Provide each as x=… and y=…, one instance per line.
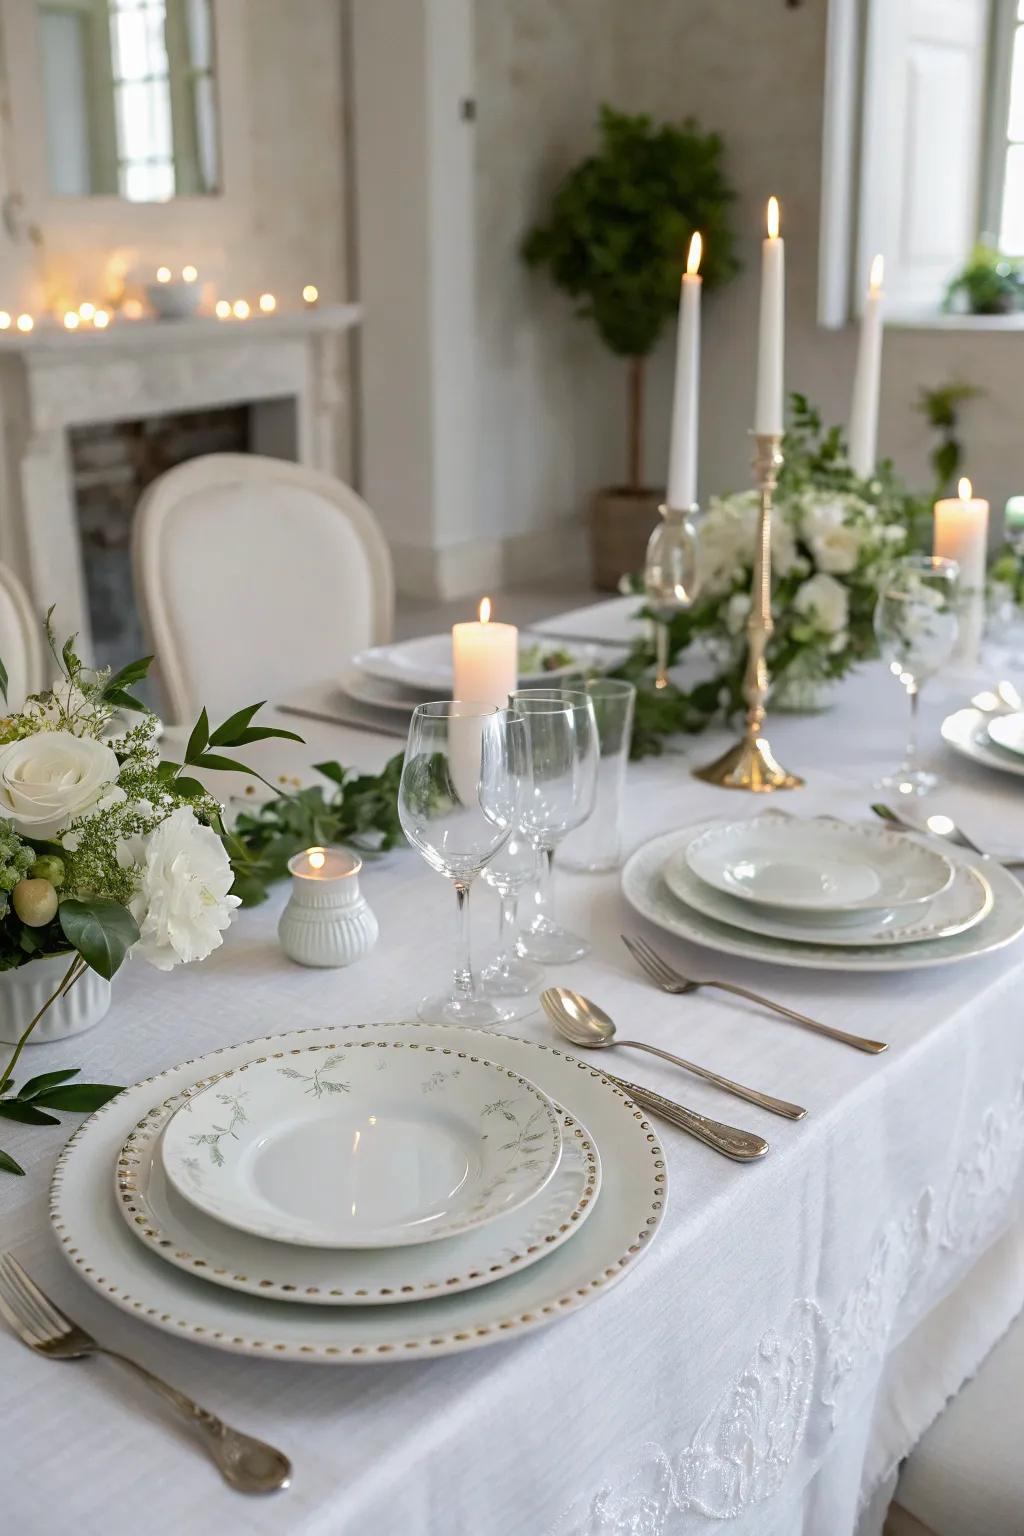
x=327, y=920
x=24, y=991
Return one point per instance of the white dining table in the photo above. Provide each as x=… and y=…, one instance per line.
x=791, y=1332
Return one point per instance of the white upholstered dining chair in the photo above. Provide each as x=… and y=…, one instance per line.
x=21, y=643
x=255, y=576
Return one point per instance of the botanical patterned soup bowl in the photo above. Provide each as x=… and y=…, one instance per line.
x=362, y=1145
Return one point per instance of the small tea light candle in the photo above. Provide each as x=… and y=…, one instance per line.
x=327, y=921
x=485, y=660
x=961, y=534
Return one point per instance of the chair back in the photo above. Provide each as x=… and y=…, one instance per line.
x=21, y=642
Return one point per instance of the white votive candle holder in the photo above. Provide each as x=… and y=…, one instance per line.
x=327, y=920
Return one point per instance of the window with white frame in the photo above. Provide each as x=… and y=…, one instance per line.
x=1006, y=174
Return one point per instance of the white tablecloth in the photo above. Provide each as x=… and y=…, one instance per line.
x=792, y=1331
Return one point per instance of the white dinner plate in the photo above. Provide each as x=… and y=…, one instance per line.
x=644, y=887
x=375, y=691
x=966, y=902
x=369, y=1145
x=966, y=732
x=426, y=663
x=820, y=865
x=1007, y=731
x=181, y=1235
x=634, y=1192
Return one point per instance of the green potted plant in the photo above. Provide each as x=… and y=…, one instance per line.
x=615, y=242
x=989, y=284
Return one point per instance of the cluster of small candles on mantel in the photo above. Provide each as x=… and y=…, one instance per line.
x=90, y=316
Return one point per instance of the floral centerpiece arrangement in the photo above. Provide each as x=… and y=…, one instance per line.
x=105, y=850
x=833, y=536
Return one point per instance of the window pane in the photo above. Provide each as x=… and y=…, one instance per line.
x=147, y=183
x=1015, y=128
x=138, y=43
x=1020, y=10
x=1011, y=234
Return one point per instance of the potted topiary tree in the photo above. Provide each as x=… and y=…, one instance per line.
x=615, y=242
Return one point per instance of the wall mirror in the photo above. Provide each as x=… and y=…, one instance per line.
x=130, y=98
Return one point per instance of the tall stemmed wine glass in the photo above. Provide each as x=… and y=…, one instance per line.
x=916, y=627
x=466, y=770
x=671, y=579
x=562, y=732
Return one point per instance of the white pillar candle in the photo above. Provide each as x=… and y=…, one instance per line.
x=485, y=660
x=769, y=409
x=864, y=407
x=961, y=534
x=682, y=460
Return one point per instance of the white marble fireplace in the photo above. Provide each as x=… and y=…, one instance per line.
x=284, y=367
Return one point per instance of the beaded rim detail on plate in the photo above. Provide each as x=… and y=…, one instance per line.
x=136, y=1153
x=452, y=1341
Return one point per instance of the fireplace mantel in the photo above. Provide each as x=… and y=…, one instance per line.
x=51, y=379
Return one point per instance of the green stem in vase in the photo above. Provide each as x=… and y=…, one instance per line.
x=75, y=969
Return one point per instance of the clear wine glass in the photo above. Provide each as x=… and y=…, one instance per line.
x=465, y=773
x=916, y=626
x=671, y=578
x=512, y=868
x=562, y=732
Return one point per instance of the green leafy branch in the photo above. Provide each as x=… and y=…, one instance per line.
x=50, y=1090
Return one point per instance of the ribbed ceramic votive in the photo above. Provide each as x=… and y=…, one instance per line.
x=327, y=920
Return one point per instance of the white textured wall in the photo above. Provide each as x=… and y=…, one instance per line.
x=552, y=400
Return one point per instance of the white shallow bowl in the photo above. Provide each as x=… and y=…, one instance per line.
x=967, y=901
x=173, y=1229
x=819, y=865
x=350, y=1148
x=106, y=1255
x=1007, y=731
x=425, y=664
x=643, y=885
x=967, y=732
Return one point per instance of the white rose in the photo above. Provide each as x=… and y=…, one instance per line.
x=182, y=904
x=49, y=780
x=825, y=600
x=736, y=611
x=835, y=546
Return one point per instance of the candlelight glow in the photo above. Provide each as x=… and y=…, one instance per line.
x=316, y=858
x=101, y=319
x=163, y=274
x=773, y=218
x=240, y=309
x=189, y=274
x=222, y=309
x=71, y=320
x=965, y=489
x=25, y=322
x=311, y=293
x=86, y=310
x=132, y=309
x=268, y=303
x=877, y=273
x=5, y=320
x=695, y=253
x=485, y=610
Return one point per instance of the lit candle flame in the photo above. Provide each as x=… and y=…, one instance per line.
x=317, y=858
x=310, y=293
x=695, y=252
x=163, y=274
x=25, y=323
x=87, y=310
x=773, y=218
x=189, y=273
x=965, y=489
x=71, y=320
x=101, y=319
x=222, y=309
x=877, y=273
x=5, y=320
x=268, y=303
x=485, y=610
x=240, y=309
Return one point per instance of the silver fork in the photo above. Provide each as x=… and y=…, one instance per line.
x=248, y=1464
x=669, y=980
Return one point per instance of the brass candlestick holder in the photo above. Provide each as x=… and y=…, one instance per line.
x=751, y=764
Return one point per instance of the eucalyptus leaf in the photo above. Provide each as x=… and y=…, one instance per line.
x=27, y=1114
x=103, y=931
x=83, y=1098
x=226, y=735
x=199, y=738
x=8, y=1165
x=36, y=1085
x=134, y=672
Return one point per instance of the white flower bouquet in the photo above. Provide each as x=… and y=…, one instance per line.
x=105, y=850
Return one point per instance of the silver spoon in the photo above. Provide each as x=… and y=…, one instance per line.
x=942, y=826
x=587, y=1025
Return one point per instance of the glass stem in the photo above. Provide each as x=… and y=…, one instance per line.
x=542, y=897
x=661, y=655
x=507, y=924
x=463, y=984
x=910, y=751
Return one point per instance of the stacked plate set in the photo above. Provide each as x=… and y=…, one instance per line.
x=995, y=740
x=390, y=680
x=361, y=1193
x=824, y=894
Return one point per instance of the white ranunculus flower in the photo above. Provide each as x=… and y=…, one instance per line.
x=826, y=601
x=50, y=779
x=182, y=904
x=833, y=543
